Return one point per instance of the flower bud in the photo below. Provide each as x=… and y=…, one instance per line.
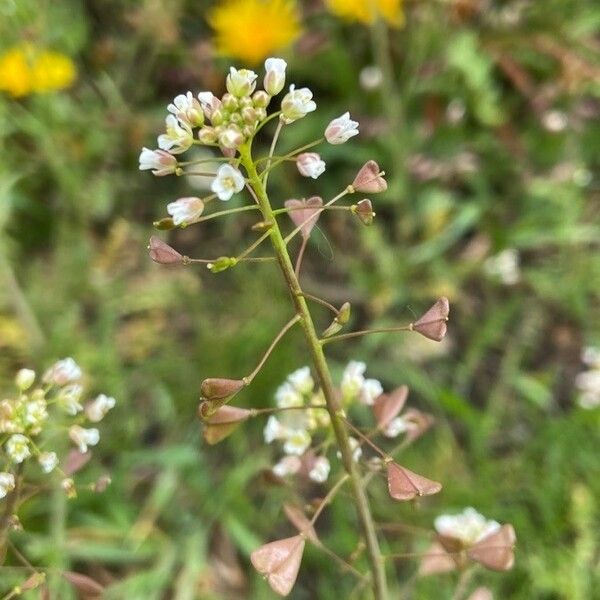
x=68, y=486
x=161, y=163
x=209, y=103
x=218, y=388
x=296, y=104
x=340, y=130
x=24, y=379
x=222, y=264
x=249, y=115
x=230, y=102
x=185, y=210
x=274, y=76
x=344, y=314
x=164, y=224
x=246, y=102
x=262, y=226
x=261, y=99
x=231, y=138
x=364, y=211
x=187, y=109
x=162, y=253
x=261, y=114
x=248, y=130
x=235, y=118
x=310, y=164
x=207, y=135
x=369, y=179
x=240, y=82
x=217, y=117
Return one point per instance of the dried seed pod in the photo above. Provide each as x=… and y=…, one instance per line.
x=432, y=324
x=223, y=422
x=364, y=211
x=218, y=388
x=304, y=213
x=436, y=560
x=279, y=562
x=388, y=406
x=496, y=550
x=301, y=522
x=369, y=179
x=162, y=253
x=406, y=485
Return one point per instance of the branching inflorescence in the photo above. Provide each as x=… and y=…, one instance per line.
x=312, y=417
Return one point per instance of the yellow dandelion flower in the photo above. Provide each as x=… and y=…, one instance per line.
x=252, y=30
x=367, y=11
x=25, y=70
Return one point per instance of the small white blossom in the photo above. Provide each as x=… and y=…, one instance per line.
x=209, y=103
x=340, y=130
x=320, y=470
x=83, y=438
x=160, y=162
x=70, y=399
x=178, y=137
x=353, y=379
x=185, y=211
x=469, y=526
x=231, y=138
x=371, y=78
x=227, y=182
x=35, y=412
x=288, y=395
x=240, y=82
x=274, y=76
x=296, y=104
x=273, y=430
x=63, y=372
x=370, y=390
x=302, y=380
x=187, y=109
x=310, y=164
x=396, y=426
x=7, y=483
x=24, y=379
x=505, y=266
x=98, y=408
x=288, y=465
x=17, y=448
x=48, y=461
x=355, y=447
x=296, y=442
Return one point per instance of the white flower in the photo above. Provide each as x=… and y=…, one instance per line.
x=310, y=164
x=187, y=109
x=469, y=526
x=17, y=448
x=97, y=409
x=63, y=372
x=353, y=379
x=320, y=470
x=505, y=266
x=48, y=461
x=370, y=78
x=296, y=442
x=24, y=379
x=227, y=182
x=296, y=104
x=178, y=137
x=240, y=82
x=288, y=465
x=396, y=426
x=288, y=395
x=185, y=210
x=588, y=383
x=70, y=399
x=590, y=355
x=7, y=483
x=273, y=430
x=231, y=138
x=302, y=380
x=162, y=163
x=83, y=438
x=35, y=412
x=209, y=103
x=355, y=447
x=340, y=130
x=274, y=76
x=370, y=390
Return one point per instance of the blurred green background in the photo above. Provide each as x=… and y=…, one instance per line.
x=488, y=132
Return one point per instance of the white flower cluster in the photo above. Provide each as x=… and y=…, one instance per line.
x=25, y=416
x=588, y=382
x=504, y=266
x=356, y=387
x=468, y=527
x=227, y=123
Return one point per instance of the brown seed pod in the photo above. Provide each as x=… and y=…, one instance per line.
x=223, y=422
x=304, y=213
x=162, y=253
x=496, y=550
x=369, y=179
x=301, y=522
x=217, y=388
x=405, y=485
x=388, y=406
x=432, y=324
x=436, y=560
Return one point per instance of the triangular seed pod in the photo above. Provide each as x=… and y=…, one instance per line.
x=162, y=253
x=304, y=213
x=300, y=521
x=495, y=551
x=223, y=422
x=369, y=179
x=217, y=388
x=436, y=560
x=387, y=406
x=432, y=324
x=405, y=485
x=279, y=562
x=364, y=211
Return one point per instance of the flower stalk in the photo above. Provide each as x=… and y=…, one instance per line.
x=323, y=373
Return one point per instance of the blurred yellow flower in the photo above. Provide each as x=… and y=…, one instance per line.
x=252, y=30
x=367, y=11
x=24, y=70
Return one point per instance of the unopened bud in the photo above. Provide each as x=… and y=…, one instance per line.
x=333, y=328
x=249, y=115
x=231, y=138
x=230, y=102
x=240, y=82
x=236, y=118
x=217, y=388
x=24, y=379
x=344, y=314
x=222, y=264
x=207, y=135
x=262, y=226
x=261, y=99
x=162, y=253
x=275, y=75
x=164, y=224
x=68, y=486
x=248, y=130
x=217, y=117
x=364, y=211
x=261, y=114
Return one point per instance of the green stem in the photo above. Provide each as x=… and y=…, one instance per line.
x=353, y=334
x=324, y=376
